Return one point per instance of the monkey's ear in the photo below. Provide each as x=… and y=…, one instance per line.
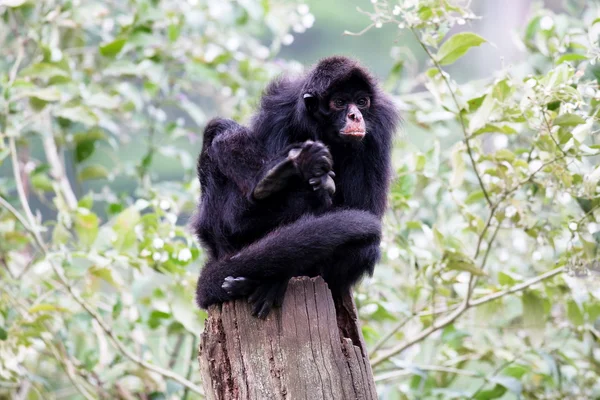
x=310, y=102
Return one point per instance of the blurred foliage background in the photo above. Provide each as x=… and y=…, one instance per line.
x=489, y=286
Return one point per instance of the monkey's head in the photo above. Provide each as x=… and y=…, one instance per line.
x=342, y=97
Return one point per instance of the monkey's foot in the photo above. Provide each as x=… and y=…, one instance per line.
x=267, y=296
x=263, y=297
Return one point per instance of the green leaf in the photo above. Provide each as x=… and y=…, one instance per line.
x=46, y=94
x=124, y=226
x=92, y=172
x=84, y=149
x=78, y=114
x=103, y=100
x=461, y=262
x=3, y=334
x=44, y=307
x=534, y=312
x=490, y=128
x=12, y=3
x=457, y=46
x=44, y=71
x=420, y=161
x=571, y=57
x=113, y=48
x=574, y=313
x=458, y=166
x=86, y=225
x=86, y=202
x=41, y=182
x=512, y=384
x=495, y=393
x=569, y=120
x=474, y=197
x=173, y=32
x=92, y=134
x=106, y=274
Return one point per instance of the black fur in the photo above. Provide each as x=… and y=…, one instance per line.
x=267, y=211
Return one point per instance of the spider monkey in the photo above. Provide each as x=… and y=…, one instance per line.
x=300, y=192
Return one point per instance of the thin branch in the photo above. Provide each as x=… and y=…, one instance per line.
x=176, y=350
x=58, y=350
x=77, y=297
x=348, y=33
x=391, y=333
x=12, y=147
x=186, y=392
x=4, y=203
x=435, y=368
x=441, y=323
x=517, y=288
x=57, y=170
x=492, y=376
x=550, y=133
x=15, y=68
x=458, y=113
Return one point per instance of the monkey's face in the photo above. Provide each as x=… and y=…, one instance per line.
x=343, y=114
x=348, y=110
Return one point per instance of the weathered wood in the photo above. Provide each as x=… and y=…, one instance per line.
x=311, y=348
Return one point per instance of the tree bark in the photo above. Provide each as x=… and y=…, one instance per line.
x=310, y=348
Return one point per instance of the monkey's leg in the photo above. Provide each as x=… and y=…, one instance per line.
x=309, y=159
x=296, y=249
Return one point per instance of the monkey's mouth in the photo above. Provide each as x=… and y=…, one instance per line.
x=355, y=134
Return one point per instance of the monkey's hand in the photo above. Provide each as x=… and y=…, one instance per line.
x=314, y=163
x=261, y=296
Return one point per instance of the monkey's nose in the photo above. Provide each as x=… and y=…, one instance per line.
x=354, y=117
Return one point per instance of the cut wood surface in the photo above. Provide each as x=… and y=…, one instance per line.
x=310, y=348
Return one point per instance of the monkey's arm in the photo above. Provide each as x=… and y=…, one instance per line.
x=310, y=160
x=238, y=155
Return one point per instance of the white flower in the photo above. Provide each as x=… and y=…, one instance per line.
x=547, y=23
x=184, y=255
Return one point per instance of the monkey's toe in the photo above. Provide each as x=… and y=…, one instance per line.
x=266, y=297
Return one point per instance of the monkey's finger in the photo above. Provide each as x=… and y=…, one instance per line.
x=264, y=310
x=329, y=185
x=331, y=174
x=258, y=294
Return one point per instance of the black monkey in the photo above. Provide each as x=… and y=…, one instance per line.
x=300, y=192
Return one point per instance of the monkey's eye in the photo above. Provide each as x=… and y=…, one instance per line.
x=338, y=103
x=362, y=102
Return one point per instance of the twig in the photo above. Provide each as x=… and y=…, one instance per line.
x=176, y=350
x=348, y=33
x=15, y=68
x=458, y=113
x=65, y=283
x=492, y=375
x=186, y=392
x=517, y=288
x=12, y=147
x=436, y=368
x=57, y=171
x=58, y=352
x=457, y=312
x=391, y=333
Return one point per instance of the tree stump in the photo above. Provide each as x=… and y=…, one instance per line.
x=310, y=348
